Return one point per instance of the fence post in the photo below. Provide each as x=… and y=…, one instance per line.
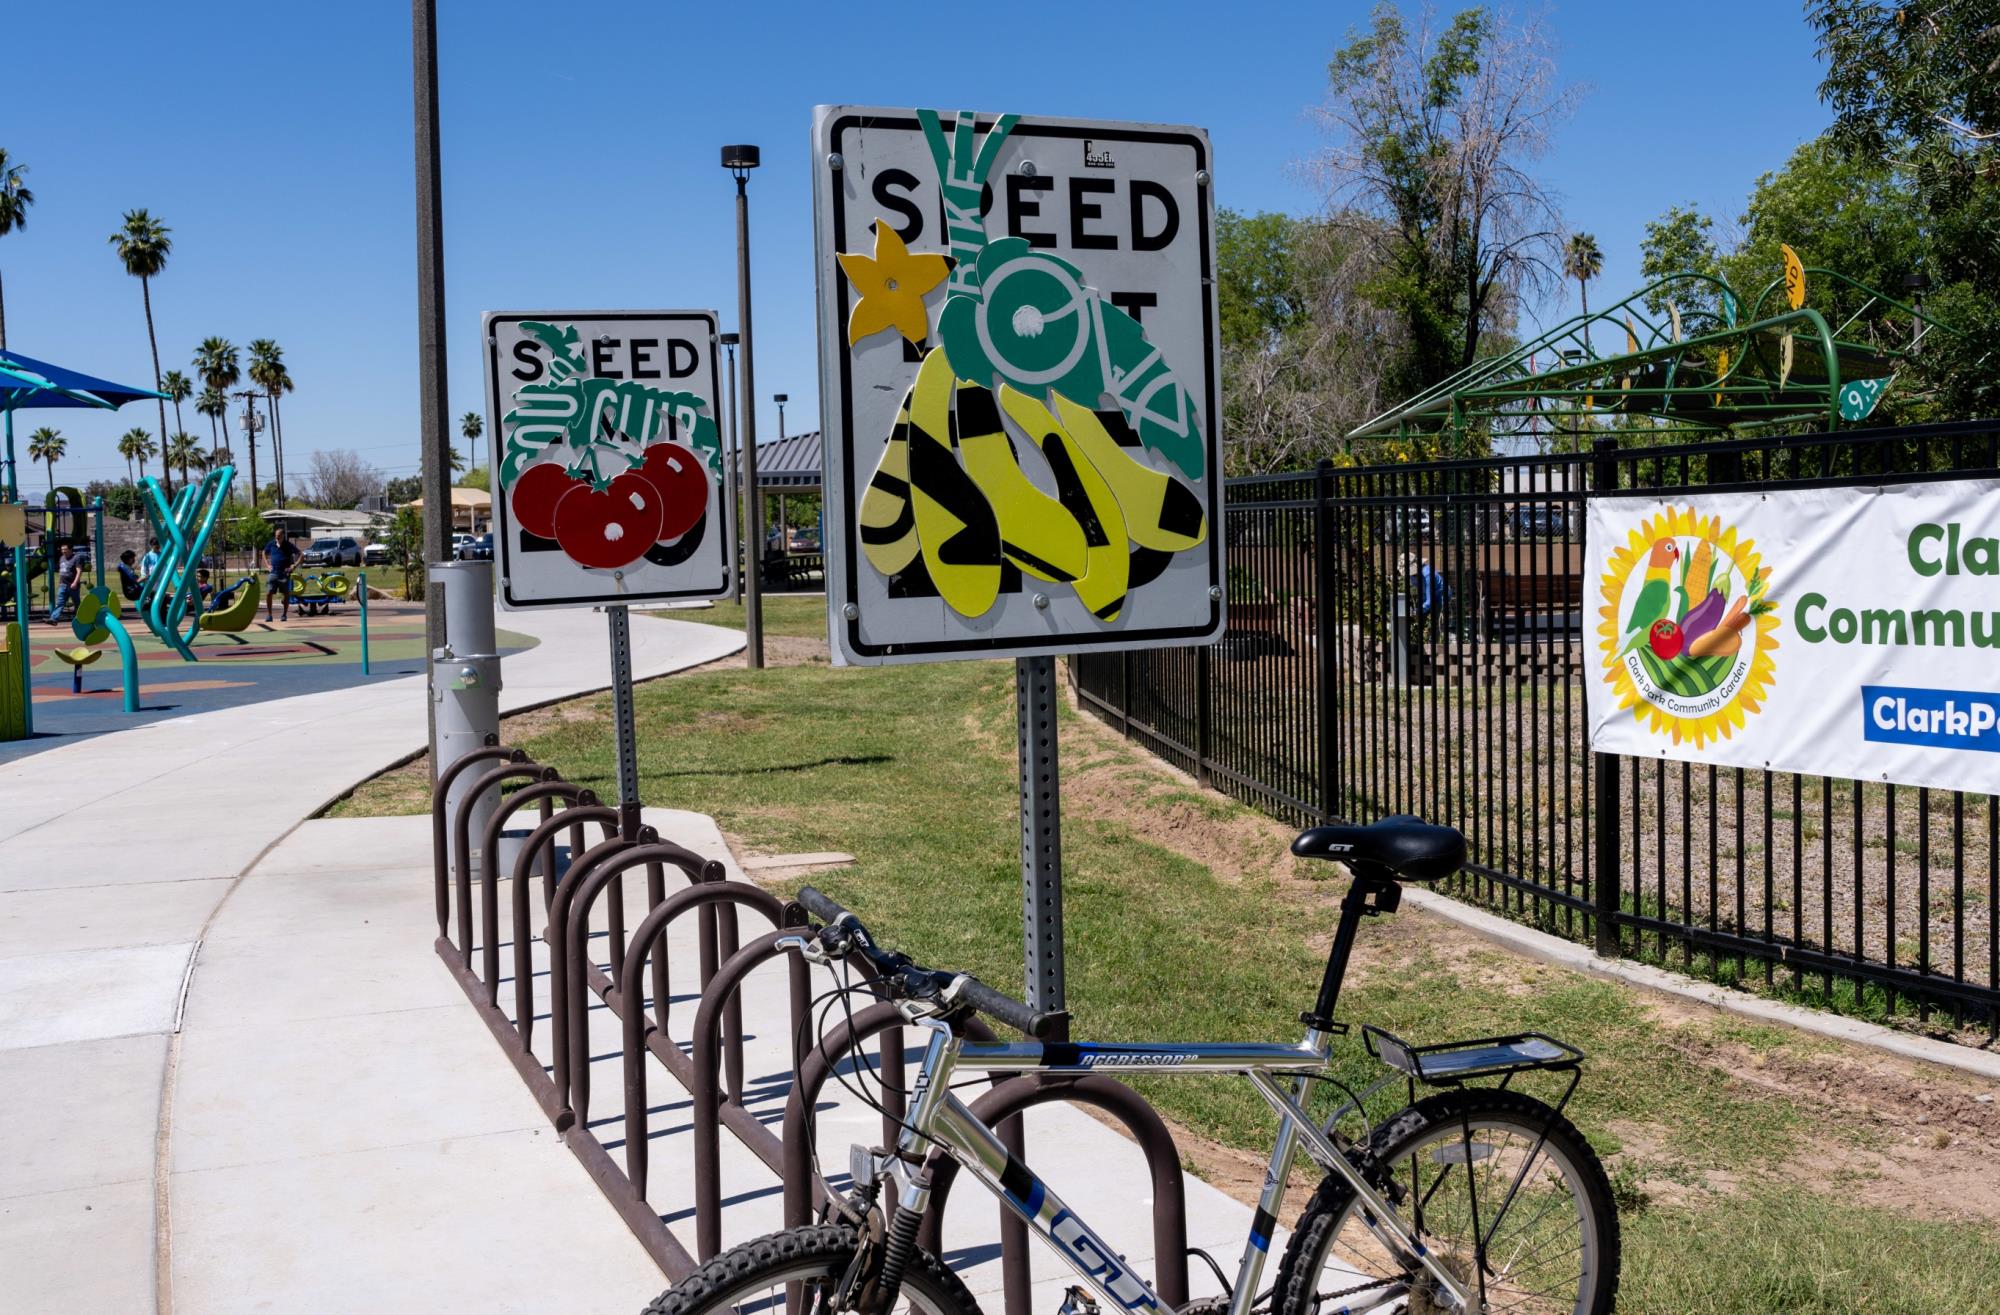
x=1202, y=718
x=1125, y=693
x=1329, y=742
x=1604, y=799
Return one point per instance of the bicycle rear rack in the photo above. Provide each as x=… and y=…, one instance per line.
x=1451, y=1063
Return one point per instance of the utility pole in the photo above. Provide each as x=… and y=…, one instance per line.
x=252, y=422
x=740, y=160
x=434, y=406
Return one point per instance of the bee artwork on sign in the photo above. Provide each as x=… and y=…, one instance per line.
x=1019, y=384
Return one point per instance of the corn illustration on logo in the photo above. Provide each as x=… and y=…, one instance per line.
x=1042, y=437
x=1688, y=627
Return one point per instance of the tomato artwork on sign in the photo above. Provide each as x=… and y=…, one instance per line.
x=609, y=470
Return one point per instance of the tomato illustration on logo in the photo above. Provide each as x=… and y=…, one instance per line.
x=678, y=477
x=612, y=527
x=535, y=495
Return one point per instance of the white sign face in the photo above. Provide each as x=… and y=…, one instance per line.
x=1019, y=385
x=1836, y=632
x=609, y=484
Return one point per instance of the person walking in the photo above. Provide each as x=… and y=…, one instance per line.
x=69, y=576
x=280, y=556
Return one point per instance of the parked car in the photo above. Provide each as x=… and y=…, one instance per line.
x=1405, y=525
x=374, y=554
x=476, y=548
x=1541, y=521
x=333, y=550
x=458, y=540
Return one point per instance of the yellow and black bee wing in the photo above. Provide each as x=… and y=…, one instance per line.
x=1036, y=533
x=1088, y=499
x=888, y=524
x=956, y=528
x=1160, y=511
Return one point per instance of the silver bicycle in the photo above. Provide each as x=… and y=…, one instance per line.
x=1476, y=1197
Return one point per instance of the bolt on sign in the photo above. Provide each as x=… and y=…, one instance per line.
x=1019, y=374
x=608, y=477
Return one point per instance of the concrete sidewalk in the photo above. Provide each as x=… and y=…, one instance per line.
x=115, y=855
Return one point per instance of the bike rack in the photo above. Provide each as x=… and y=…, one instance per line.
x=711, y=1066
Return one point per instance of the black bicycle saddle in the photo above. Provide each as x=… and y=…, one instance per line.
x=1397, y=848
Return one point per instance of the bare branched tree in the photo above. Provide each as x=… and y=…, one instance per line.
x=341, y=478
x=1434, y=133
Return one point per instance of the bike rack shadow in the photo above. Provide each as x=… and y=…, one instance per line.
x=709, y=1063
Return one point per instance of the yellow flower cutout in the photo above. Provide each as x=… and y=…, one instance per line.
x=892, y=284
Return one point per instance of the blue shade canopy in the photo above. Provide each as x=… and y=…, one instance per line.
x=26, y=383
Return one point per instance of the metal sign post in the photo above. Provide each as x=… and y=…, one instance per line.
x=1041, y=830
x=1021, y=384
x=621, y=718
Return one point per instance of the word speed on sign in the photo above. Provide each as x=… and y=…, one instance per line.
x=1019, y=381
x=608, y=479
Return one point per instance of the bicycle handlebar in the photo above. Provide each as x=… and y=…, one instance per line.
x=898, y=975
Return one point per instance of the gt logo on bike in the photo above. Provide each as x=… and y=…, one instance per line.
x=1099, y=1263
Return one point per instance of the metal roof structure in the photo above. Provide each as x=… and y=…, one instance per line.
x=791, y=464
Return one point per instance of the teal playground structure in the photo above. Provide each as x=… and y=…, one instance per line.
x=170, y=602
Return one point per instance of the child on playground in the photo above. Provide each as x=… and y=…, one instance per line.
x=128, y=574
x=204, y=591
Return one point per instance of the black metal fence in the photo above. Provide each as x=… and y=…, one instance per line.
x=1412, y=639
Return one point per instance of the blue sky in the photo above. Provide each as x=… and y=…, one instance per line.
x=580, y=161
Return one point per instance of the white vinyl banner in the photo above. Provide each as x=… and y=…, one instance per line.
x=1850, y=632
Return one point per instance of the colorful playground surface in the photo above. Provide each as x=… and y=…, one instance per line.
x=266, y=660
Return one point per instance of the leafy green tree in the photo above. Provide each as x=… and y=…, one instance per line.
x=144, y=244
x=1257, y=285
x=1917, y=85
x=122, y=500
x=1436, y=131
x=15, y=198
x=403, y=488
x=47, y=445
x=1682, y=241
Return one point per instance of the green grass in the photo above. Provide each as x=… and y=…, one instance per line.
x=911, y=769
x=798, y=615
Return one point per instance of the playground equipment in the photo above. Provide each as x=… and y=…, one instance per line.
x=182, y=529
x=14, y=713
x=97, y=620
x=317, y=593
x=1692, y=364
x=235, y=614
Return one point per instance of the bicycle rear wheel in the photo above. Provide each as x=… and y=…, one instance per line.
x=1500, y=1187
x=751, y=1279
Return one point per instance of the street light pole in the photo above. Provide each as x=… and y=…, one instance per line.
x=250, y=427
x=740, y=160
x=735, y=447
x=434, y=404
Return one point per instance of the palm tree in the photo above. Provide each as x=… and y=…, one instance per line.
x=457, y=461
x=221, y=368
x=139, y=444
x=143, y=245
x=221, y=456
x=213, y=404
x=1583, y=262
x=472, y=425
x=267, y=371
x=178, y=389
x=46, y=444
x=15, y=198
x=183, y=450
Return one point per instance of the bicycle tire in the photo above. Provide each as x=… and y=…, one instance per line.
x=816, y=1251
x=1327, y=1215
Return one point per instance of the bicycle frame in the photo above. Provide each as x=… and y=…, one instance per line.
x=939, y=1119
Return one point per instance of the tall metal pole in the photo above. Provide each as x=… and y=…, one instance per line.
x=753, y=530
x=735, y=445
x=434, y=404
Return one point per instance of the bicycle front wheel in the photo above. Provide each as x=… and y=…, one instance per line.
x=751, y=1279
x=1500, y=1188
